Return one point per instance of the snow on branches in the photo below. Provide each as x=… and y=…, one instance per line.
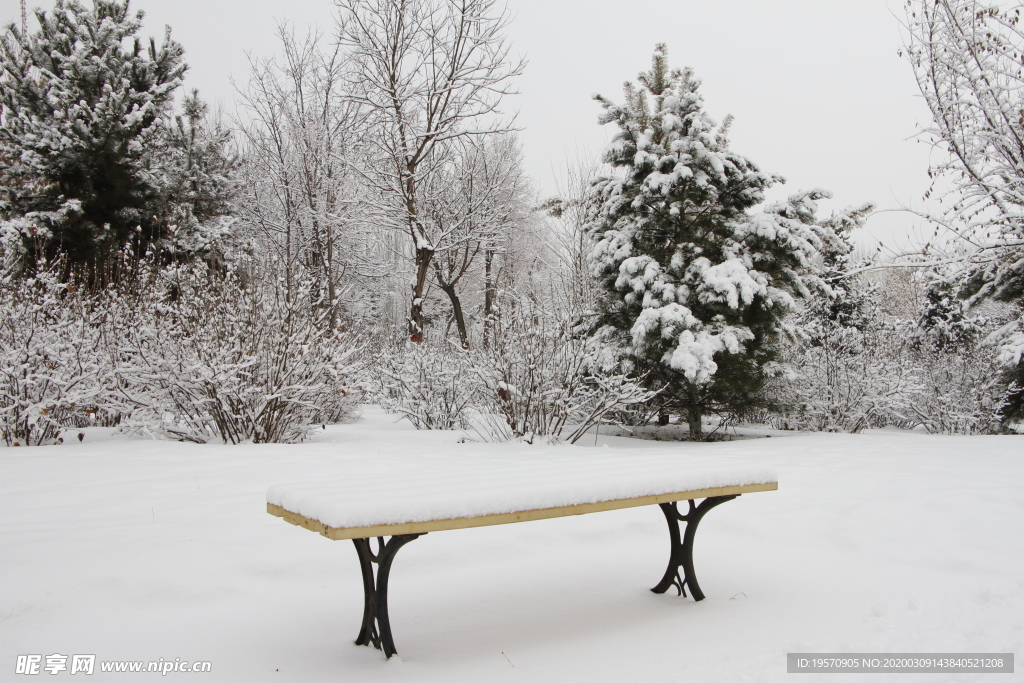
x=239, y=357
x=966, y=57
x=51, y=359
x=185, y=353
x=537, y=380
x=84, y=103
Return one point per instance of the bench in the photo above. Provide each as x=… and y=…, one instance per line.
x=342, y=509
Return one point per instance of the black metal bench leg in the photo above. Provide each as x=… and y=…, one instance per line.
x=681, y=556
x=376, y=627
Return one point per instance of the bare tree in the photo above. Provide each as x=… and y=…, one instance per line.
x=300, y=132
x=969, y=61
x=430, y=73
x=967, y=57
x=571, y=213
x=479, y=201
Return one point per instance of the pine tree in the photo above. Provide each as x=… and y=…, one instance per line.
x=201, y=184
x=695, y=283
x=944, y=321
x=846, y=301
x=836, y=318
x=83, y=103
x=1012, y=410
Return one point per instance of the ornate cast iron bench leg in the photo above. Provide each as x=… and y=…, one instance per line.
x=376, y=625
x=681, y=556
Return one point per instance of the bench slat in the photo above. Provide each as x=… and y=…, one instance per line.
x=337, y=534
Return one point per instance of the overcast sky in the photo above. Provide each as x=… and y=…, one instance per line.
x=818, y=91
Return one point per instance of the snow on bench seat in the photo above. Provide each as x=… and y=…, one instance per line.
x=393, y=496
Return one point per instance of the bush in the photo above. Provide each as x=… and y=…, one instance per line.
x=540, y=379
x=870, y=365
x=220, y=356
x=51, y=366
x=962, y=381
x=840, y=378
x=535, y=380
x=430, y=385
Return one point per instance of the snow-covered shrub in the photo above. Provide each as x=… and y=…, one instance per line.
x=842, y=378
x=51, y=369
x=535, y=379
x=431, y=385
x=540, y=379
x=232, y=356
x=961, y=392
x=858, y=360
x=962, y=382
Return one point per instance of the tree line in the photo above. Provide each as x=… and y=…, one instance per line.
x=361, y=228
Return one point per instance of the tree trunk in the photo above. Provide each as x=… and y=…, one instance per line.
x=332, y=291
x=419, y=286
x=332, y=294
x=488, y=297
x=460, y=319
x=694, y=414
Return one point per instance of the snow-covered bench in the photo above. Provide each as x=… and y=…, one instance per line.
x=376, y=501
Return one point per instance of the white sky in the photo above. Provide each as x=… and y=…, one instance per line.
x=818, y=91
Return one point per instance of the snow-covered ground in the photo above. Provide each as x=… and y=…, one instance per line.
x=141, y=550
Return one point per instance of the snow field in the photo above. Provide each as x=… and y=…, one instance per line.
x=885, y=541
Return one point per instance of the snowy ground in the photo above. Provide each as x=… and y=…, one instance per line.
x=141, y=550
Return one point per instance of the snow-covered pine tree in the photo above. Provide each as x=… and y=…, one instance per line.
x=202, y=182
x=82, y=102
x=1012, y=410
x=846, y=301
x=695, y=283
x=943, y=318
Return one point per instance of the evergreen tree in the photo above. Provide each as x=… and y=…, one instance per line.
x=846, y=301
x=836, y=317
x=83, y=102
x=201, y=184
x=1001, y=279
x=1012, y=410
x=695, y=283
x=943, y=321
